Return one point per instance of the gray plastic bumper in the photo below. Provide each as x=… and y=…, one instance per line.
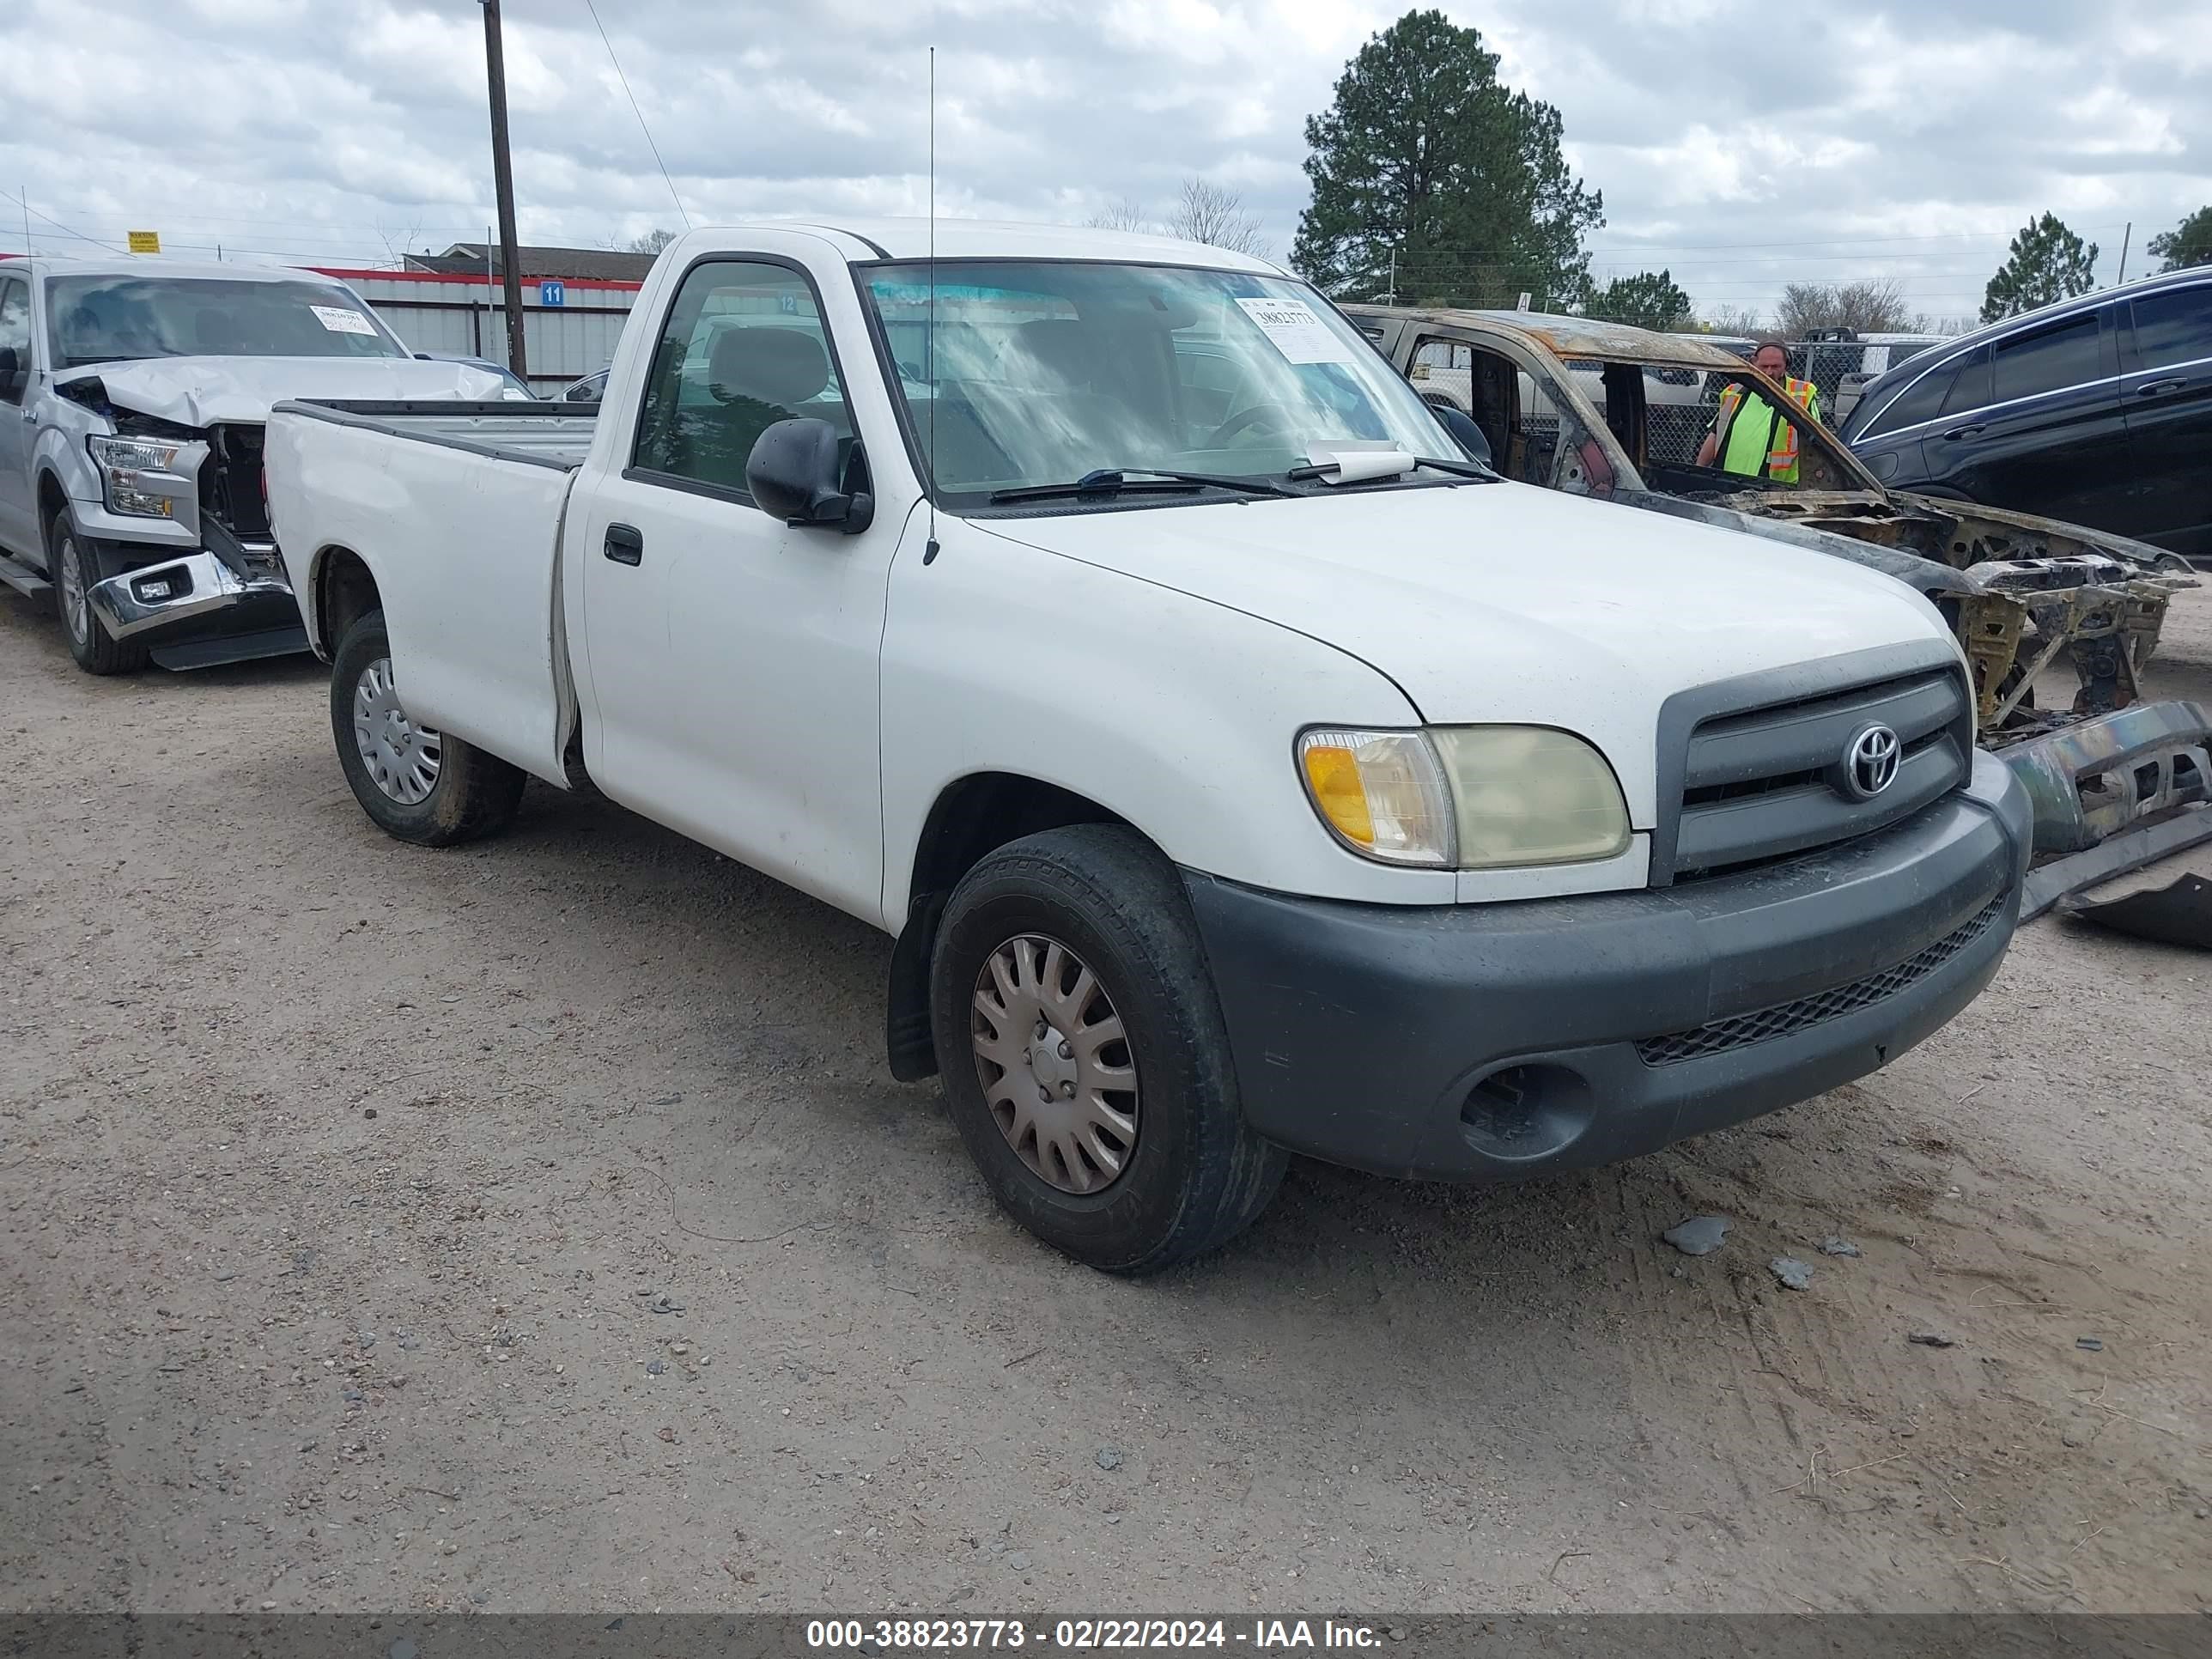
x=1494, y=1041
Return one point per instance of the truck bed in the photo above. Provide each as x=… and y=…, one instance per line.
x=541, y=434
x=456, y=510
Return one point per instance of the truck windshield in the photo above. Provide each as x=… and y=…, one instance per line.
x=1037, y=373
x=104, y=320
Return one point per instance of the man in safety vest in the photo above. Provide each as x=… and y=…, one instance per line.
x=1749, y=434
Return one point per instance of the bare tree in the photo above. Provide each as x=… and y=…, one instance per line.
x=1873, y=305
x=1123, y=215
x=1741, y=320
x=652, y=242
x=1210, y=213
x=397, y=244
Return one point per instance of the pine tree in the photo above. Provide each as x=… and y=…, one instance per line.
x=1425, y=155
x=2047, y=263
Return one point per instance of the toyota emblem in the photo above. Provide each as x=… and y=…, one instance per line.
x=1870, y=763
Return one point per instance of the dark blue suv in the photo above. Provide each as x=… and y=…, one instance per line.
x=2097, y=410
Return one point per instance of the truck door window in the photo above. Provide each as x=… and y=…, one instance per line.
x=743, y=347
x=1479, y=384
x=15, y=336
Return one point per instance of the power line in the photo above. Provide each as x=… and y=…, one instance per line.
x=639, y=113
x=59, y=226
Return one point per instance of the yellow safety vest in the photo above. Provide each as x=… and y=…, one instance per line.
x=1740, y=452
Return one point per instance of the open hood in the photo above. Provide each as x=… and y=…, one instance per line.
x=202, y=391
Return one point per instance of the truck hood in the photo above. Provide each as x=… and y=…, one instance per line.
x=1503, y=602
x=200, y=392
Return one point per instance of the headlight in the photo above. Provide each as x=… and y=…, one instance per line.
x=1529, y=794
x=139, y=475
x=1381, y=794
x=1466, y=797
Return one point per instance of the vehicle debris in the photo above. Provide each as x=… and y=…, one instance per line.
x=2178, y=914
x=1616, y=413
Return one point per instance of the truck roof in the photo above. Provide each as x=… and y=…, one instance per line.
x=989, y=238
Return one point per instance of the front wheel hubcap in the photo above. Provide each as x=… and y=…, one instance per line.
x=402, y=757
x=1055, y=1064
x=76, y=606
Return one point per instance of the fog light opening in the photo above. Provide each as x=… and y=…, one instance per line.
x=1528, y=1111
x=164, y=585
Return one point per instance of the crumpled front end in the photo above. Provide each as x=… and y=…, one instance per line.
x=178, y=522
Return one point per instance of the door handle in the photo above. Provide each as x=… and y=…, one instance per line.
x=2160, y=388
x=1958, y=433
x=624, y=545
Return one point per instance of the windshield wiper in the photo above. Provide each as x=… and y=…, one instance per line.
x=1457, y=469
x=1150, y=481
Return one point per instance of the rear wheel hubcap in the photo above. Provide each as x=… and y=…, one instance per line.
x=1055, y=1064
x=402, y=758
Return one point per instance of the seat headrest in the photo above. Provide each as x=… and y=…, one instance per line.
x=1058, y=343
x=780, y=366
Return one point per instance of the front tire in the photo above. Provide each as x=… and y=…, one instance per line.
x=1084, y=1055
x=417, y=784
x=70, y=564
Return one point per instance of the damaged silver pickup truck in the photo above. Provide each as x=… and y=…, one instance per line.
x=133, y=397
x=1618, y=413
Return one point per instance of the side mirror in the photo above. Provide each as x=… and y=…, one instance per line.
x=10, y=366
x=1465, y=433
x=793, y=474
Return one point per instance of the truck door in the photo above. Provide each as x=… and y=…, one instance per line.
x=730, y=662
x=19, y=517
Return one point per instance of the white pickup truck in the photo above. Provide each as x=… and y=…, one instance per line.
x=1241, y=768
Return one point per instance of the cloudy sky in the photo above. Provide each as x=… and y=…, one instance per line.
x=1737, y=143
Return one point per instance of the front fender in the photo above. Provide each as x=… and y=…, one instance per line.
x=1177, y=715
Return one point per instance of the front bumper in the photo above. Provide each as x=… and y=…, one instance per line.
x=178, y=590
x=1489, y=1042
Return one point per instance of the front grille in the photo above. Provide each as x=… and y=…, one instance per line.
x=1784, y=1018
x=1765, y=783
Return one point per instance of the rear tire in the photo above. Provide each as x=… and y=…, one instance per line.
x=1114, y=1133
x=416, y=784
x=73, y=569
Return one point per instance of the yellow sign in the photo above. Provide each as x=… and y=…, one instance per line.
x=145, y=241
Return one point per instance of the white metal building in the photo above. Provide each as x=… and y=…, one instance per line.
x=569, y=325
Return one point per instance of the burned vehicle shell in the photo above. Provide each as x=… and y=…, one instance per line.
x=1618, y=413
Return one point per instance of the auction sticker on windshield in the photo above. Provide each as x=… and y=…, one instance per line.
x=340, y=320
x=1297, y=333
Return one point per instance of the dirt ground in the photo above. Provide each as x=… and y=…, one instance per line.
x=535, y=1227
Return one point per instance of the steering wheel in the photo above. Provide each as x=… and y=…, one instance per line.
x=1273, y=416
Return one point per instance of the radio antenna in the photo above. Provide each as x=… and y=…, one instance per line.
x=929, y=322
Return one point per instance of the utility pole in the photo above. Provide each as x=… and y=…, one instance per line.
x=2126, y=236
x=1393, y=299
x=503, y=184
